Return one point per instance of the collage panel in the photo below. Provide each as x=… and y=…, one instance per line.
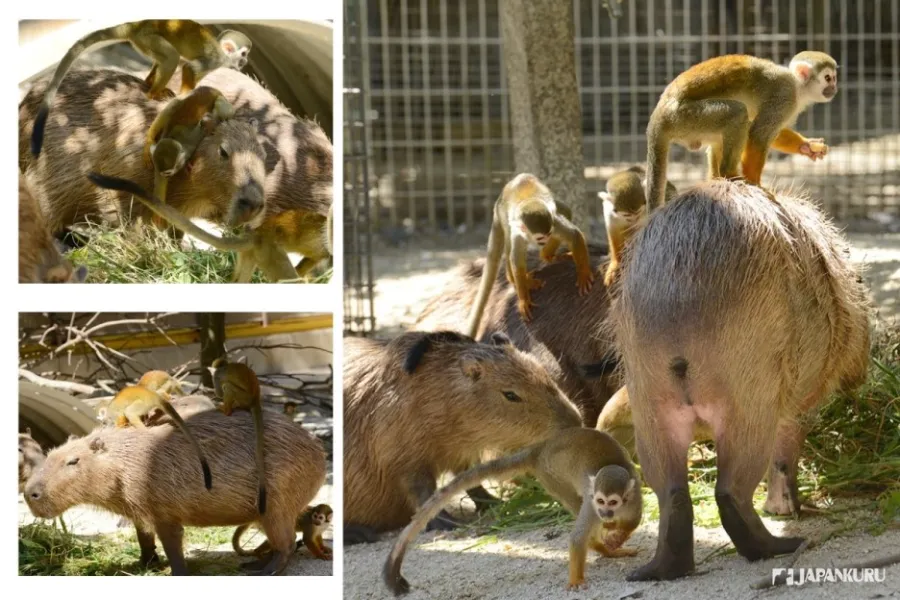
x=175, y=151
x=176, y=443
x=621, y=312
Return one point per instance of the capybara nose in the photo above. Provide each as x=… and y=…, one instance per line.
x=35, y=495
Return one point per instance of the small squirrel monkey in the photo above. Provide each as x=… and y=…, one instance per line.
x=236, y=384
x=739, y=106
x=311, y=524
x=135, y=403
x=164, y=42
x=526, y=210
x=585, y=469
x=160, y=382
x=624, y=208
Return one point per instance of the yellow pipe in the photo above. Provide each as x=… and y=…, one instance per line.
x=143, y=340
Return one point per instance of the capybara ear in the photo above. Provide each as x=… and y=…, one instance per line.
x=498, y=338
x=97, y=445
x=471, y=367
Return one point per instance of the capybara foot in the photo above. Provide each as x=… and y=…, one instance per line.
x=358, y=534
x=669, y=567
x=149, y=560
x=275, y=565
x=442, y=522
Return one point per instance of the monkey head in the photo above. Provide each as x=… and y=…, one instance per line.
x=236, y=47
x=321, y=515
x=536, y=221
x=614, y=492
x=816, y=73
x=169, y=157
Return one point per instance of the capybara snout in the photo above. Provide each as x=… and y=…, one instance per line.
x=239, y=166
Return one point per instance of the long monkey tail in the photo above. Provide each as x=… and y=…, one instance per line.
x=488, y=277
x=119, y=32
x=260, y=455
x=236, y=540
x=168, y=213
x=657, y=165
x=501, y=468
x=176, y=418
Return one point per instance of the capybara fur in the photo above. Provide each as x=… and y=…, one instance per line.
x=31, y=457
x=39, y=258
x=424, y=404
x=560, y=334
x=151, y=476
x=185, y=406
x=739, y=309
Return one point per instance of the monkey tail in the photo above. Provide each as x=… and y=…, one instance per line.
x=176, y=418
x=488, y=277
x=657, y=165
x=501, y=468
x=119, y=32
x=260, y=456
x=165, y=211
x=236, y=540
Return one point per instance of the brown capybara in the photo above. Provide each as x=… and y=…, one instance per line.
x=151, y=477
x=99, y=123
x=31, y=457
x=39, y=258
x=561, y=334
x=739, y=309
x=424, y=404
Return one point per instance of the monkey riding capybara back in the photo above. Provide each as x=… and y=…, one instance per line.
x=560, y=334
x=738, y=309
x=424, y=404
x=151, y=476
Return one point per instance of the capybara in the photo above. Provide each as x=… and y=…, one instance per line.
x=39, y=258
x=31, y=457
x=151, y=476
x=424, y=404
x=739, y=309
x=560, y=334
x=185, y=406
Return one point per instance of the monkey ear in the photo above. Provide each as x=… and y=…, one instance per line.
x=498, y=338
x=471, y=368
x=605, y=196
x=802, y=71
x=629, y=488
x=97, y=445
x=592, y=479
x=228, y=46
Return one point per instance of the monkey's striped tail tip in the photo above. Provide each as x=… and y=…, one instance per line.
x=37, y=134
x=207, y=476
x=115, y=183
x=262, y=500
x=395, y=582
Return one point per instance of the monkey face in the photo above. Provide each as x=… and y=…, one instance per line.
x=826, y=82
x=607, y=506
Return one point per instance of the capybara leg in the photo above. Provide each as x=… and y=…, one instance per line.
x=279, y=530
x=662, y=445
x=147, y=543
x=741, y=462
x=172, y=536
x=482, y=498
x=421, y=487
x=359, y=534
x=784, y=496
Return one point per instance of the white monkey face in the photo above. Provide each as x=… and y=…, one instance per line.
x=825, y=85
x=607, y=505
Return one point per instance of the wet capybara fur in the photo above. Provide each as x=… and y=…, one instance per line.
x=424, y=404
x=739, y=309
x=561, y=334
x=151, y=476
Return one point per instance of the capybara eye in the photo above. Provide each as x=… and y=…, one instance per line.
x=223, y=152
x=72, y=462
x=512, y=396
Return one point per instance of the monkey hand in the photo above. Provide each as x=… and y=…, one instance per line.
x=525, y=305
x=532, y=282
x=585, y=279
x=610, y=276
x=814, y=149
x=148, y=156
x=576, y=584
x=163, y=94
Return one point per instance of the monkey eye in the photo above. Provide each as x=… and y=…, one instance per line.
x=72, y=462
x=223, y=152
x=512, y=396
x=613, y=502
x=601, y=501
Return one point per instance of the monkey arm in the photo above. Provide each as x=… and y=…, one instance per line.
x=574, y=239
x=791, y=142
x=159, y=126
x=580, y=539
x=522, y=282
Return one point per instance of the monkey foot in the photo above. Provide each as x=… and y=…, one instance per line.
x=670, y=567
x=578, y=584
x=621, y=552
x=610, y=276
x=584, y=282
x=532, y=282
x=525, y=307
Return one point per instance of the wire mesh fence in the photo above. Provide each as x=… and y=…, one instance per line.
x=437, y=117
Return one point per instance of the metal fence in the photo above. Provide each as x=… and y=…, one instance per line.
x=438, y=120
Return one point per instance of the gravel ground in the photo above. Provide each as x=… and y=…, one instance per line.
x=529, y=566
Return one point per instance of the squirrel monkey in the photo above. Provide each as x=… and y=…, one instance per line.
x=161, y=382
x=526, y=210
x=585, y=469
x=164, y=42
x=311, y=524
x=134, y=403
x=236, y=384
x=267, y=246
x=739, y=106
x=624, y=208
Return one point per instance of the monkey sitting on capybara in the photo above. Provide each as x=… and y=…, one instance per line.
x=738, y=309
x=424, y=404
x=31, y=457
x=560, y=335
x=151, y=477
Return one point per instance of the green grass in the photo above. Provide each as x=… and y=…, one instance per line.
x=852, y=450
x=45, y=549
x=142, y=254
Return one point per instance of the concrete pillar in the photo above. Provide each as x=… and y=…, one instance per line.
x=545, y=106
